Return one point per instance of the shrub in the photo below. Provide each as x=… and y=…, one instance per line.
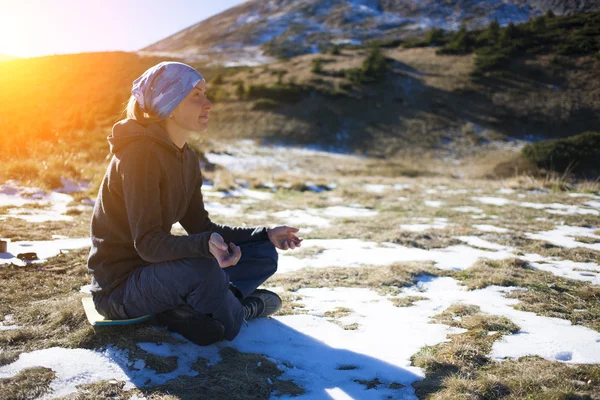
x=265, y=104
x=218, y=80
x=353, y=75
x=580, y=45
x=374, y=67
x=387, y=43
x=435, y=37
x=317, y=66
x=491, y=58
x=572, y=35
x=279, y=93
x=491, y=35
x=539, y=24
x=24, y=170
x=239, y=89
x=414, y=42
x=462, y=43
x=578, y=154
x=216, y=94
x=509, y=34
x=336, y=50
x=280, y=74
x=345, y=86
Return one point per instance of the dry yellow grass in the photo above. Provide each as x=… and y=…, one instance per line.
x=406, y=301
x=546, y=293
x=461, y=368
x=385, y=280
x=29, y=383
x=52, y=316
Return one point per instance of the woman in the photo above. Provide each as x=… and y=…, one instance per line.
x=202, y=285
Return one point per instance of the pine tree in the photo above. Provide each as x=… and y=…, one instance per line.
x=240, y=90
x=508, y=35
x=435, y=36
x=492, y=33
x=463, y=41
x=539, y=24
x=374, y=66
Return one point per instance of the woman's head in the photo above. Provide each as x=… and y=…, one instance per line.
x=170, y=90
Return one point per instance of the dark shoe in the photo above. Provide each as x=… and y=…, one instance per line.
x=261, y=303
x=196, y=327
x=254, y=307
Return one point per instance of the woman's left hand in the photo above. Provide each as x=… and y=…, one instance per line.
x=283, y=237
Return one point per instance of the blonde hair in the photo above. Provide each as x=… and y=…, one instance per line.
x=134, y=111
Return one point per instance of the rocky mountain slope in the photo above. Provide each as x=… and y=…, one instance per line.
x=256, y=31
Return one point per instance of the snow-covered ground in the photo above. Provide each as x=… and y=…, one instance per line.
x=590, y=207
x=313, y=349
x=48, y=206
x=310, y=349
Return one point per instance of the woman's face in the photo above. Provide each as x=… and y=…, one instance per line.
x=192, y=113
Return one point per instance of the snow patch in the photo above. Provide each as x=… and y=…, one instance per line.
x=355, y=253
x=490, y=228
x=72, y=367
x=481, y=243
x=372, y=188
x=438, y=223
x=587, y=272
x=546, y=337
x=348, y=212
x=564, y=236
x=222, y=209
x=54, y=203
x=317, y=216
x=43, y=249
x=557, y=208
x=495, y=201
x=506, y=190
x=467, y=209
x=301, y=217
x=70, y=186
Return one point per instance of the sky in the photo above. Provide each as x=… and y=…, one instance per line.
x=30, y=28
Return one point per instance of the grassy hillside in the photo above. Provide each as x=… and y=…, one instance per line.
x=395, y=100
x=444, y=91
x=56, y=112
x=425, y=100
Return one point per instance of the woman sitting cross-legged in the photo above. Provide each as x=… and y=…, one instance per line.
x=204, y=284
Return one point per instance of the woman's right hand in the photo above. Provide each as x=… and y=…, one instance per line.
x=220, y=251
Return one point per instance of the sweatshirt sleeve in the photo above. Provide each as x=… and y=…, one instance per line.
x=196, y=220
x=140, y=173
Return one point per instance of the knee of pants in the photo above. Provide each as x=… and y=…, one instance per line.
x=270, y=253
x=209, y=275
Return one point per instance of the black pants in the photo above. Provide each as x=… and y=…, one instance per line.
x=198, y=282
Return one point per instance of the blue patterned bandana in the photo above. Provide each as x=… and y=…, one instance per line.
x=162, y=87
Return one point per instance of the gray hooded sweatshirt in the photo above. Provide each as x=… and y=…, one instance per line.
x=149, y=185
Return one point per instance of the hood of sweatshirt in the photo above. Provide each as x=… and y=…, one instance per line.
x=128, y=131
